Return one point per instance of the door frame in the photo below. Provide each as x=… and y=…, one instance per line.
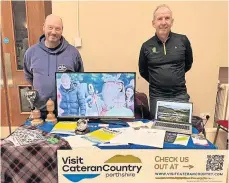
x=36, y=11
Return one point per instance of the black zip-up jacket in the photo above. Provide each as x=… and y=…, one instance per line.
x=164, y=65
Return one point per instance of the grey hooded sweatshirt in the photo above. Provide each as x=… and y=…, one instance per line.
x=41, y=63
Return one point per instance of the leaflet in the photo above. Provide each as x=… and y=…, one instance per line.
x=101, y=135
x=65, y=127
x=23, y=136
x=199, y=140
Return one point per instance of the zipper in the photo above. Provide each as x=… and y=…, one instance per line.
x=164, y=48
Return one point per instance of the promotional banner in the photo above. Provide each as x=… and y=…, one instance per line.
x=92, y=165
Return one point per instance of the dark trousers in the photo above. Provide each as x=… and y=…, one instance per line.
x=153, y=102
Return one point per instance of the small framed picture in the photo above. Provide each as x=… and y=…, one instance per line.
x=24, y=103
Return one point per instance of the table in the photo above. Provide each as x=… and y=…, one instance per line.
x=95, y=126
x=38, y=162
x=31, y=163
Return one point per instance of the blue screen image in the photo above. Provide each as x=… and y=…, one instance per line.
x=100, y=95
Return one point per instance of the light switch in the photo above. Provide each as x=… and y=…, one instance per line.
x=78, y=42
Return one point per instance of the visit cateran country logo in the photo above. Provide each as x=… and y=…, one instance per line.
x=116, y=166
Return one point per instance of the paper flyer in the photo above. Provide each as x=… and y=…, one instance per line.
x=182, y=139
x=23, y=136
x=101, y=135
x=66, y=127
x=199, y=140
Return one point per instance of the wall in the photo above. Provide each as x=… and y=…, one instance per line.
x=112, y=34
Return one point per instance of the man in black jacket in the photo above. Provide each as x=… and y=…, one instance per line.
x=164, y=59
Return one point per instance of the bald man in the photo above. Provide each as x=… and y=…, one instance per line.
x=52, y=54
x=164, y=59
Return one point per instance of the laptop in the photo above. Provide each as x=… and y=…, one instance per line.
x=173, y=116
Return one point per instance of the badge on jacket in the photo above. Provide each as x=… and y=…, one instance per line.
x=154, y=50
x=62, y=68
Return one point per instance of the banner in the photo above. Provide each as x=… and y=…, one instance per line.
x=92, y=165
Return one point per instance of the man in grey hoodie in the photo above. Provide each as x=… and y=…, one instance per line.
x=52, y=54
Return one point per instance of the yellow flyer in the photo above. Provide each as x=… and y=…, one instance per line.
x=65, y=127
x=101, y=135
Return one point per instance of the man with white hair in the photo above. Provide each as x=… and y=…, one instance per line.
x=52, y=54
x=164, y=59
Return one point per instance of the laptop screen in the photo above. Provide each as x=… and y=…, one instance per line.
x=179, y=112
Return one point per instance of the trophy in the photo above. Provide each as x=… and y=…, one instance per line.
x=82, y=127
x=32, y=96
x=50, y=108
x=36, y=118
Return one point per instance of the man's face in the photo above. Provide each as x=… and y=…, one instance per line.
x=163, y=21
x=53, y=29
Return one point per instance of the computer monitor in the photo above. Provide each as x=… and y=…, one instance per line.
x=95, y=95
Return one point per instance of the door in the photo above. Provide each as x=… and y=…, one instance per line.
x=22, y=23
x=4, y=112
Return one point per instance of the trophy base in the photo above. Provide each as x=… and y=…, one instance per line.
x=54, y=121
x=87, y=130
x=36, y=122
x=30, y=118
